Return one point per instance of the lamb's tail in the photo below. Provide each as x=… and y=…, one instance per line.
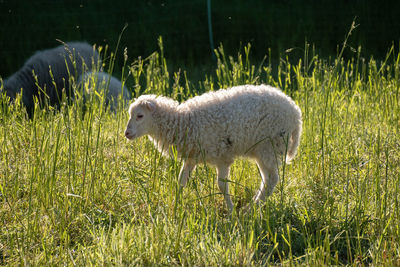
x=294, y=141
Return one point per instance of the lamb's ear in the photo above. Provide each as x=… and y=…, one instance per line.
x=150, y=106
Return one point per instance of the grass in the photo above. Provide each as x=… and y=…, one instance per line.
x=73, y=191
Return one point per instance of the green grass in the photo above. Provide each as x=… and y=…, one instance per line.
x=73, y=191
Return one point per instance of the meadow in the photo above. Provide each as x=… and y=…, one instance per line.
x=74, y=191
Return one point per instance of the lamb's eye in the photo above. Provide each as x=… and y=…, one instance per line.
x=139, y=116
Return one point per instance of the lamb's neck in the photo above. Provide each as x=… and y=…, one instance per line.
x=172, y=128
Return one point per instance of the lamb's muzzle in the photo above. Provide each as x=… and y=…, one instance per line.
x=129, y=135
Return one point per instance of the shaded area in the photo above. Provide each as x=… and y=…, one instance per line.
x=28, y=26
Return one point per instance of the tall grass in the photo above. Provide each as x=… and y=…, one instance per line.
x=73, y=191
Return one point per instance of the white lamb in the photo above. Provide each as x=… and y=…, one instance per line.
x=257, y=122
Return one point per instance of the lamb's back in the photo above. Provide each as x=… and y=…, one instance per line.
x=232, y=120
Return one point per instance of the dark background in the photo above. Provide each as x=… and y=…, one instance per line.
x=30, y=25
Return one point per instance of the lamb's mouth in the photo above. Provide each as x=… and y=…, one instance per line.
x=130, y=136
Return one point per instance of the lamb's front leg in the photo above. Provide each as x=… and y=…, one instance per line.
x=222, y=174
x=187, y=168
x=269, y=179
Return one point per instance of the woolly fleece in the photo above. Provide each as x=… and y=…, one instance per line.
x=103, y=82
x=53, y=69
x=257, y=122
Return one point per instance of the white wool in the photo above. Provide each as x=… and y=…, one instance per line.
x=258, y=122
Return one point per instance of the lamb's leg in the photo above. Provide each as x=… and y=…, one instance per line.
x=222, y=174
x=185, y=172
x=269, y=179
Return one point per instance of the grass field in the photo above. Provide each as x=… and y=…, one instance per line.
x=73, y=191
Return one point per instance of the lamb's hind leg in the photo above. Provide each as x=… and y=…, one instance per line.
x=187, y=168
x=269, y=178
x=222, y=174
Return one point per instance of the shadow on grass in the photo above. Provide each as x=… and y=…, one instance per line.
x=290, y=232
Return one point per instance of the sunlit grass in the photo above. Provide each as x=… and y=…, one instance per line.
x=73, y=191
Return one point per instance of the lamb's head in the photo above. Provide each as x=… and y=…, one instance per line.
x=140, y=121
x=5, y=86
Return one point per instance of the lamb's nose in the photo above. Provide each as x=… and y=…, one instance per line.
x=126, y=133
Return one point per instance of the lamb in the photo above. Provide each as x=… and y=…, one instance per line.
x=103, y=82
x=256, y=122
x=53, y=69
